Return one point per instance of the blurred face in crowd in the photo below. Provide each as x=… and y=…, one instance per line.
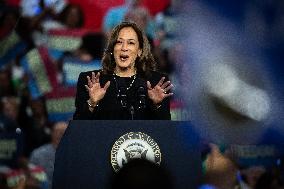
x=126, y=49
x=73, y=17
x=4, y=81
x=10, y=20
x=37, y=107
x=10, y=107
x=138, y=15
x=133, y=2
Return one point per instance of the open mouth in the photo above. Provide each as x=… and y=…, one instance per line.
x=123, y=57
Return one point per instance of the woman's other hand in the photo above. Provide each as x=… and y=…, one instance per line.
x=158, y=93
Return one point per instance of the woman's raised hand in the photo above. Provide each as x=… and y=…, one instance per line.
x=160, y=91
x=96, y=92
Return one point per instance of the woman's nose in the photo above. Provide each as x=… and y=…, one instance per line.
x=124, y=47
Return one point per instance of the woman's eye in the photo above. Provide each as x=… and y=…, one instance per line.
x=118, y=42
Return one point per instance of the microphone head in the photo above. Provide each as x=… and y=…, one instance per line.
x=141, y=91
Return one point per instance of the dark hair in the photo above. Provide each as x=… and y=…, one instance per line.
x=65, y=13
x=8, y=10
x=93, y=43
x=140, y=174
x=272, y=178
x=144, y=64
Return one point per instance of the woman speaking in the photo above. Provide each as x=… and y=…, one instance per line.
x=127, y=87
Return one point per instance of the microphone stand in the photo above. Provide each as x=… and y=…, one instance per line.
x=123, y=101
x=132, y=112
x=142, y=97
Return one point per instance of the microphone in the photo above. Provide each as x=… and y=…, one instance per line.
x=122, y=96
x=132, y=112
x=142, y=97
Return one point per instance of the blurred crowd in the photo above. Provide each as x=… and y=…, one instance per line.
x=44, y=45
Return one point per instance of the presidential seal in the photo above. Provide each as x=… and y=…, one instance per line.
x=134, y=145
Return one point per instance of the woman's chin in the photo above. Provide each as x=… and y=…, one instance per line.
x=124, y=67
